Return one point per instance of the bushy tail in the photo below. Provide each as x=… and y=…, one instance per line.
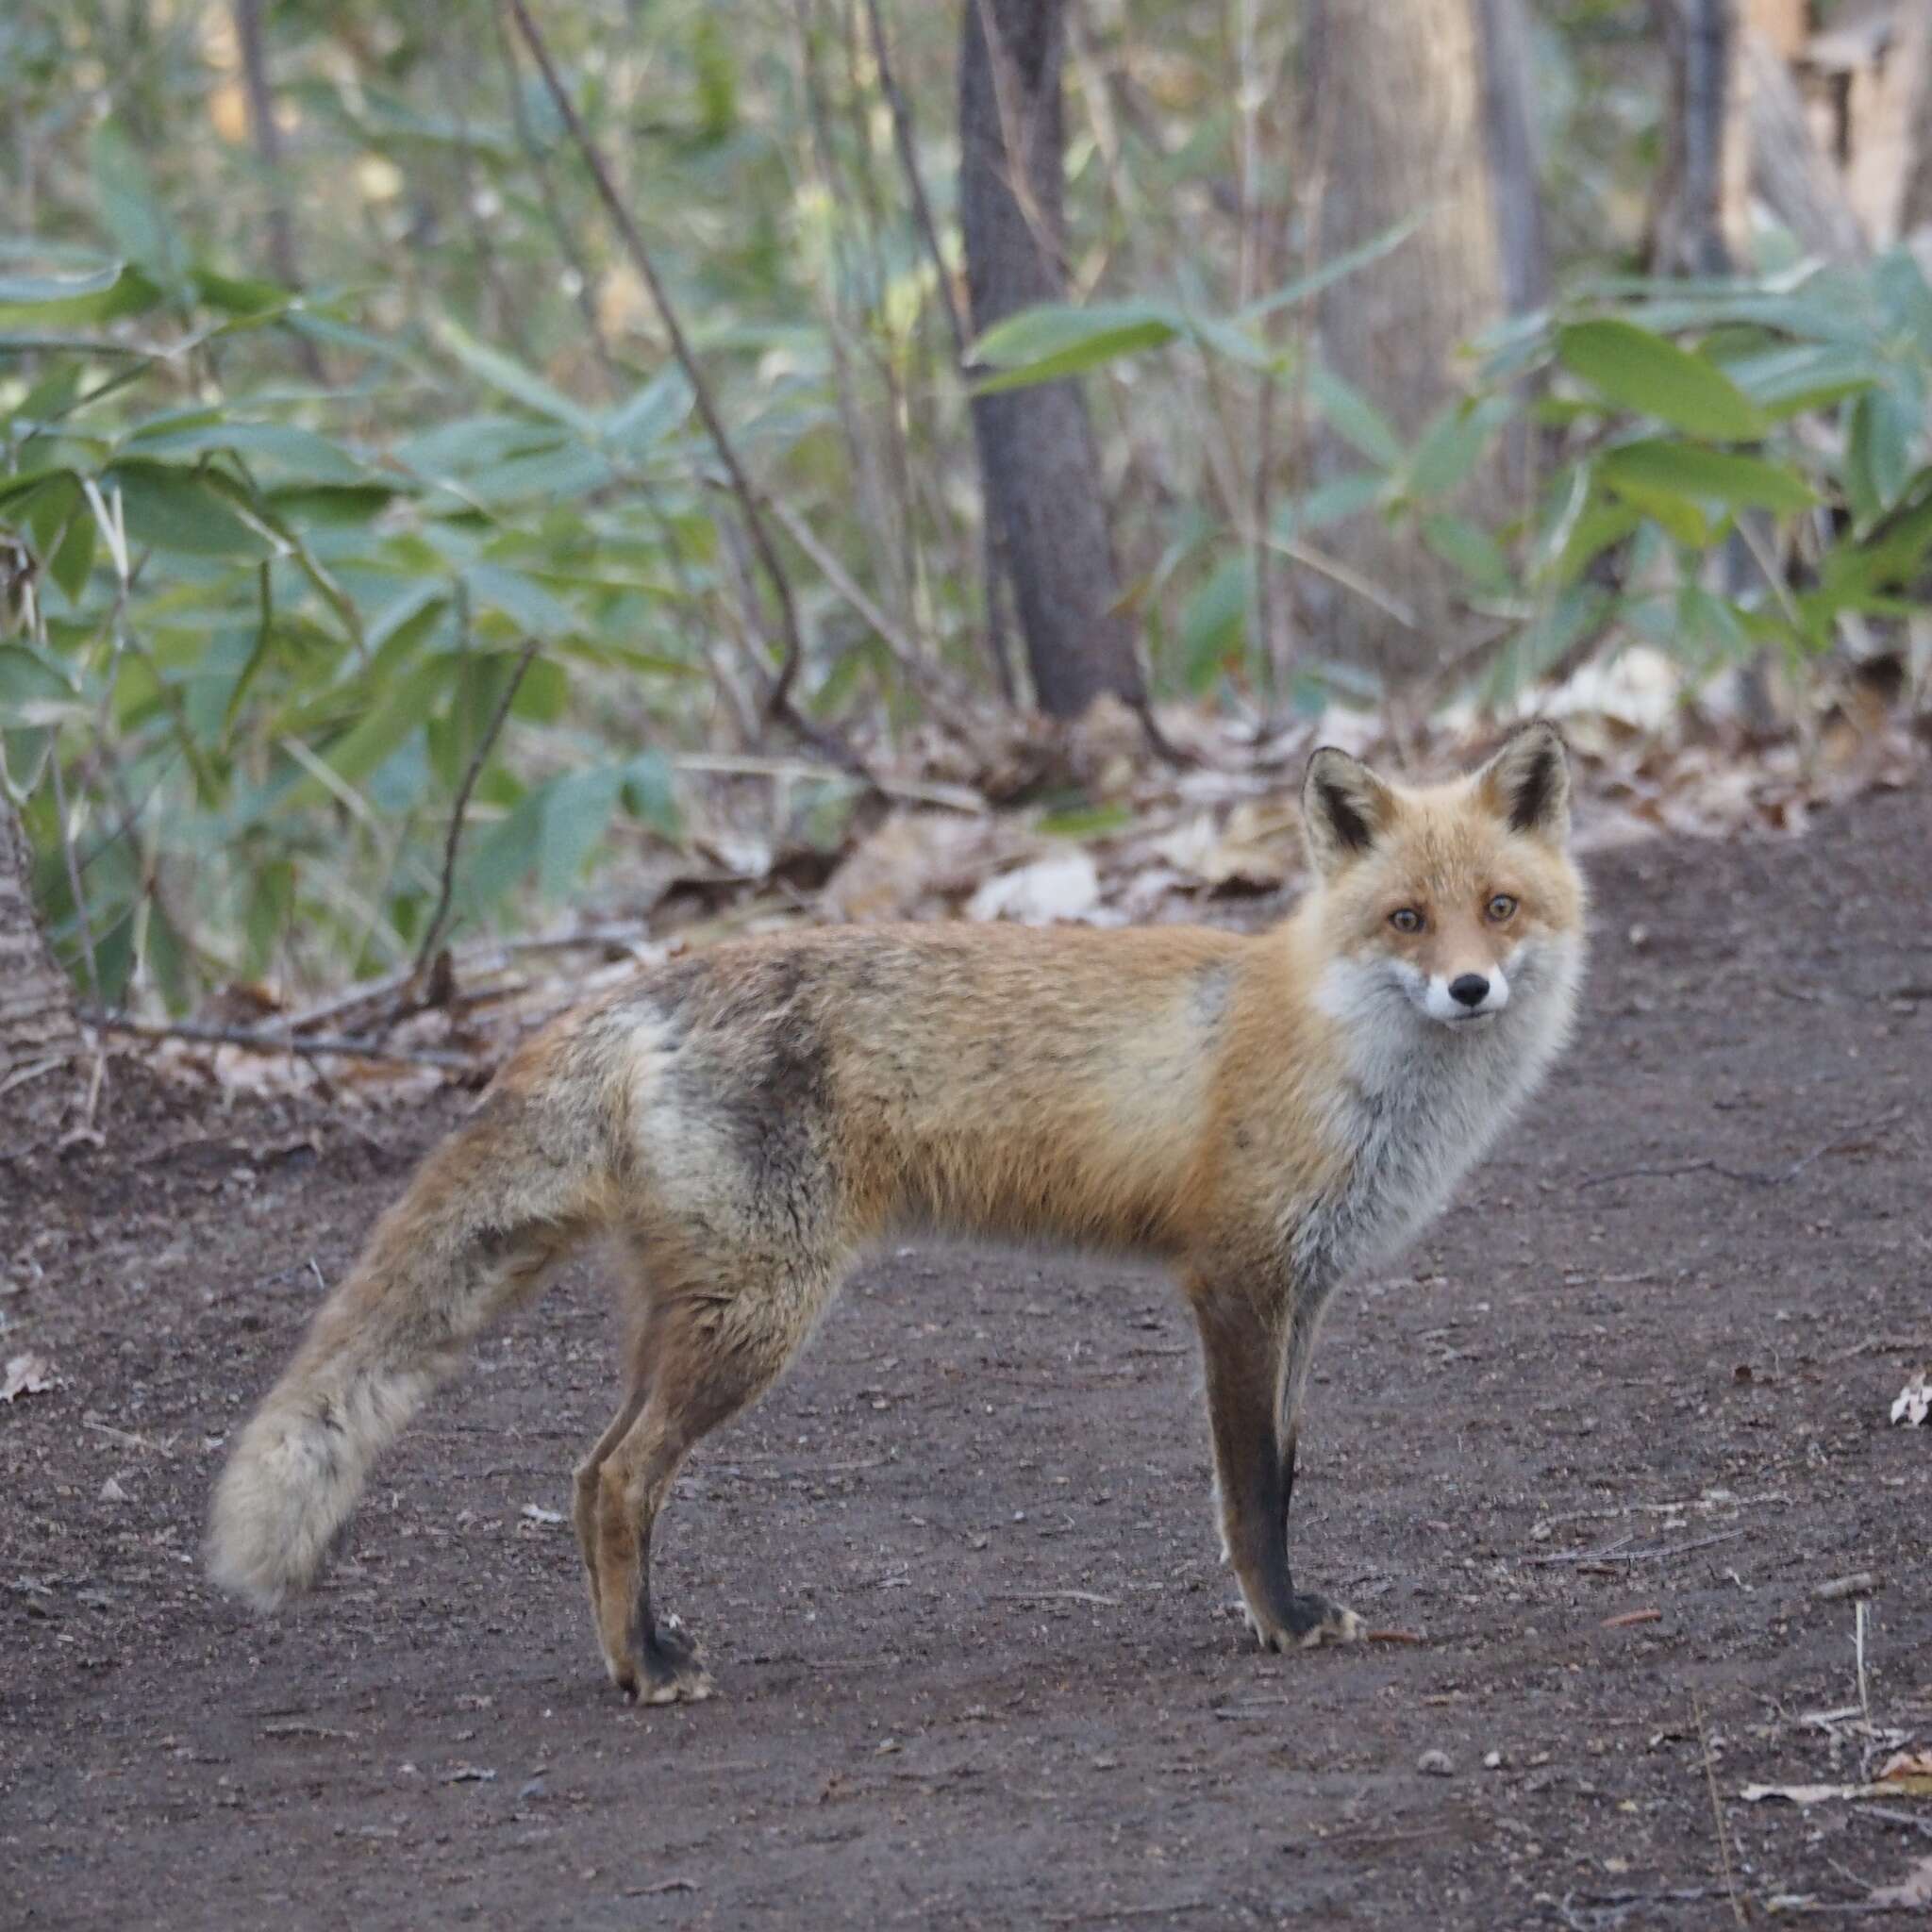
x=483, y=1221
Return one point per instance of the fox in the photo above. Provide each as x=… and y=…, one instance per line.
x=1266, y=1114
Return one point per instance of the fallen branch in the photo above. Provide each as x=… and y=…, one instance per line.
x=1754, y=1178
x=1618, y=1554
x=1717, y=1812
x=778, y=699
x=1051, y=1596
x=258, y=1040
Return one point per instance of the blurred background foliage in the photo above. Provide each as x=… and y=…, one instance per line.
x=348, y=479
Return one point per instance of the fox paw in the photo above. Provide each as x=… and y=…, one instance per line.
x=665, y=1669
x=1311, y=1621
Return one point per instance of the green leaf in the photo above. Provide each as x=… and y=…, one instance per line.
x=551, y=831
x=52, y=301
x=404, y=707
x=1331, y=272
x=1330, y=503
x=650, y=793
x=524, y=601
x=1644, y=373
x=130, y=211
x=277, y=452
x=1214, y=625
x=577, y=810
x=652, y=414
x=1659, y=464
x=240, y=295
x=1537, y=647
x=1353, y=418
x=1470, y=549
x=1453, y=445
x=1878, y=453
x=1055, y=340
x=174, y=510
x=508, y=375
x=1802, y=375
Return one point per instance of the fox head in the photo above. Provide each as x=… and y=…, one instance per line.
x=1459, y=899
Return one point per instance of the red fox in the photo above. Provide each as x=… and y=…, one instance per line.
x=1266, y=1114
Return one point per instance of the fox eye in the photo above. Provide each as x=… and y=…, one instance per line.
x=1500, y=908
x=1406, y=919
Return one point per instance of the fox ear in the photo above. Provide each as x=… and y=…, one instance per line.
x=1527, y=782
x=1345, y=808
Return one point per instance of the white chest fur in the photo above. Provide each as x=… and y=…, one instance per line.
x=1423, y=1101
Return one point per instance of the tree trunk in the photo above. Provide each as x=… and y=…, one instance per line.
x=1037, y=448
x=1508, y=84
x=1698, y=215
x=1393, y=122
x=1788, y=173
x=38, y=1030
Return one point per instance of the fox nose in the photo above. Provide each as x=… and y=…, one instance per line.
x=1471, y=989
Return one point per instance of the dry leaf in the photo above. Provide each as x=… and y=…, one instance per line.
x=1064, y=886
x=1907, y=1773
x=535, y=1513
x=1914, y=1402
x=28, y=1375
x=1799, y=1794
x=1915, y=1888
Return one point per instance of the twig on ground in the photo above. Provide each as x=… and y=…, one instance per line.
x=778, y=698
x=1755, y=1178
x=432, y=936
x=1050, y=1596
x=1100, y=1914
x=1618, y=1554
x=1717, y=1812
x=260, y=1040
x=1862, y=1612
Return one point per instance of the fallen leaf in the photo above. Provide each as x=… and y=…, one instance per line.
x=1909, y=1773
x=1064, y=886
x=28, y=1375
x=1915, y=1888
x=535, y=1513
x=1914, y=1402
x=469, y=1775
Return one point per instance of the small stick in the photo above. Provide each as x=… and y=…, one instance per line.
x=432, y=938
x=778, y=704
x=1754, y=1178
x=1717, y=1812
x=1618, y=1554
x=308, y=1046
x=1860, y=1610
x=1048, y=1596
x=1631, y=1618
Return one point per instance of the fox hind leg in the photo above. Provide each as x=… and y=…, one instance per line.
x=704, y=1356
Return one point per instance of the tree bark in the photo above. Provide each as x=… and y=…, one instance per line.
x=1509, y=85
x=1698, y=214
x=1037, y=448
x=1788, y=173
x=1393, y=122
x=38, y=1030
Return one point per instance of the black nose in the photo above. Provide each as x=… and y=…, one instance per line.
x=1471, y=989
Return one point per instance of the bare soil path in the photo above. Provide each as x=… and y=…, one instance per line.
x=1598, y=1443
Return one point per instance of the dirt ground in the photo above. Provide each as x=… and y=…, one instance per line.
x=1598, y=1443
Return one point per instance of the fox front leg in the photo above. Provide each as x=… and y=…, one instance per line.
x=1241, y=1354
